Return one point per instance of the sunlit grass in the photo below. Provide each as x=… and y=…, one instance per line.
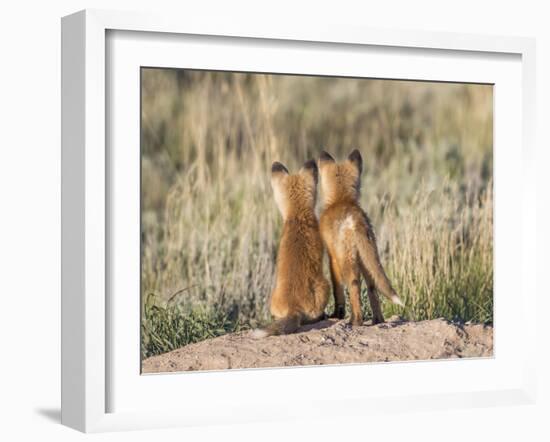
x=167, y=326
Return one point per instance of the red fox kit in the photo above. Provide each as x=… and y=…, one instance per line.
x=349, y=237
x=301, y=290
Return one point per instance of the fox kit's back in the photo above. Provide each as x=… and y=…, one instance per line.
x=348, y=234
x=301, y=290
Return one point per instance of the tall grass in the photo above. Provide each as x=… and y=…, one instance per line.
x=210, y=227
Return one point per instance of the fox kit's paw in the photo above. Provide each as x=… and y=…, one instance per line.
x=339, y=312
x=356, y=320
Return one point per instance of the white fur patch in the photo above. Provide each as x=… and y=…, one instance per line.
x=346, y=224
x=345, y=228
x=395, y=299
x=258, y=333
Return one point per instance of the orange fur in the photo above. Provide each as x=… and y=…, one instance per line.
x=349, y=237
x=301, y=290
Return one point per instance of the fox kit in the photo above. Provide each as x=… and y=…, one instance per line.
x=301, y=290
x=349, y=237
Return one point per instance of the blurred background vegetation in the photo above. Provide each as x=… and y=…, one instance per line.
x=210, y=228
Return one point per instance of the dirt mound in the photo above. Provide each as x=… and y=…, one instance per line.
x=332, y=342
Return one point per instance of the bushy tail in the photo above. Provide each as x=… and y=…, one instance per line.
x=371, y=262
x=282, y=326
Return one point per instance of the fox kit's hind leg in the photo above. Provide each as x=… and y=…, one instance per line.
x=352, y=279
x=337, y=290
x=377, y=316
x=355, y=301
x=322, y=290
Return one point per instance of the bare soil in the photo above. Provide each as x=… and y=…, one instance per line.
x=332, y=342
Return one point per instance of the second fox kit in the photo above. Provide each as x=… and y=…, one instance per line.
x=349, y=237
x=301, y=290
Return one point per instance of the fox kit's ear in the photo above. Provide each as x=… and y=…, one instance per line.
x=310, y=170
x=278, y=172
x=278, y=169
x=325, y=158
x=356, y=159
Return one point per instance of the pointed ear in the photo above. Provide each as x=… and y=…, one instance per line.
x=325, y=158
x=310, y=169
x=277, y=168
x=278, y=171
x=356, y=159
x=279, y=174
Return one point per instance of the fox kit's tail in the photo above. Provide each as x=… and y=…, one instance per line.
x=282, y=326
x=371, y=262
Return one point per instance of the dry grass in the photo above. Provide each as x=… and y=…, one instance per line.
x=210, y=227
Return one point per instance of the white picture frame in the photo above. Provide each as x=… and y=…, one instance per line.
x=87, y=319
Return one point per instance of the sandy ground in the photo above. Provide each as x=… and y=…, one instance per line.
x=332, y=342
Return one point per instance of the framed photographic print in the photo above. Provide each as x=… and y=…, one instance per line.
x=210, y=229
x=250, y=211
